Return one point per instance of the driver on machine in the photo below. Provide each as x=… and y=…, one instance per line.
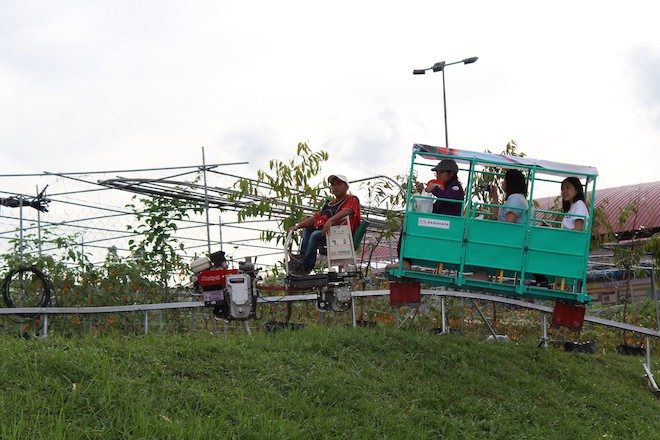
x=317, y=226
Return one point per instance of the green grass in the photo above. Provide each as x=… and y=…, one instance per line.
x=317, y=383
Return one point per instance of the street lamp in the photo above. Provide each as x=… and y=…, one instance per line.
x=440, y=67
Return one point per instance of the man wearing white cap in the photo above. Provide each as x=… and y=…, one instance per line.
x=317, y=226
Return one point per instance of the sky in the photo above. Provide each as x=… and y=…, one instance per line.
x=98, y=85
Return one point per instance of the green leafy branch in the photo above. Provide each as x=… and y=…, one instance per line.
x=287, y=186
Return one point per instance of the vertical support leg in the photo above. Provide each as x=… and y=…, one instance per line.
x=543, y=342
x=353, y=311
x=442, y=315
x=44, y=333
x=146, y=322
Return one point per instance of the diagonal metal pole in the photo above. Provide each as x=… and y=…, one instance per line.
x=490, y=327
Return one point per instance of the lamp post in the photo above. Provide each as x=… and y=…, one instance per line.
x=440, y=67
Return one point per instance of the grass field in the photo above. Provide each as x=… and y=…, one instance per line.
x=319, y=382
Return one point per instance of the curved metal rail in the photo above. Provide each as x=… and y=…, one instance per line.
x=308, y=297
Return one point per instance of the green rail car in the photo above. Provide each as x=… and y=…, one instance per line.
x=476, y=252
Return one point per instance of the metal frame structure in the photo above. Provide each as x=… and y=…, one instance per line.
x=97, y=234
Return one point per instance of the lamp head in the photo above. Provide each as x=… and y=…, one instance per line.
x=437, y=67
x=419, y=71
x=470, y=60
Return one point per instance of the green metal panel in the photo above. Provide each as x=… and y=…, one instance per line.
x=433, y=237
x=557, y=252
x=498, y=245
x=519, y=249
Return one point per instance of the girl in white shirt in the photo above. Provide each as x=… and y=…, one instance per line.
x=572, y=200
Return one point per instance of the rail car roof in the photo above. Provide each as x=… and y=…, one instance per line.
x=546, y=166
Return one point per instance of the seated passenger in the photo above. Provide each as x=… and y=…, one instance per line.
x=318, y=225
x=515, y=204
x=572, y=201
x=445, y=186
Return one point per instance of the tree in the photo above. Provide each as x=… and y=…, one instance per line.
x=601, y=222
x=158, y=251
x=491, y=175
x=58, y=255
x=627, y=255
x=284, y=192
x=653, y=247
x=390, y=194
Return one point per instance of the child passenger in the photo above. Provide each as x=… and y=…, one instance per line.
x=572, y=201
x=515, y=204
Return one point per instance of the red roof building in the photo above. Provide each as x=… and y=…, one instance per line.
x=614, y=200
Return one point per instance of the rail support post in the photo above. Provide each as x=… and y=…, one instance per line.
x=443, y=315
x=353, y=312
x=44, y=333
x=543, y=342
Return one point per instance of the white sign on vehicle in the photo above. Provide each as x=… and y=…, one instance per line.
x=340, y=246
x=433, y=223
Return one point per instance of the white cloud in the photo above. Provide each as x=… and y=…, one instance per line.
x=645, y=71
x=126, y=84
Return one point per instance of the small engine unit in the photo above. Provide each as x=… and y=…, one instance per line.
x=230, y=292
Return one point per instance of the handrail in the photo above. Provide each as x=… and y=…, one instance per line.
x=99, y=309
x=432, y=197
